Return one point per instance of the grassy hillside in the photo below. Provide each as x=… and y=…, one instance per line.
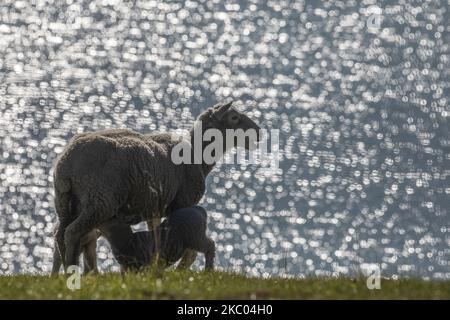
x=216, y=285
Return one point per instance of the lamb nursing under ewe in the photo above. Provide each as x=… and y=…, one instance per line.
x=128, y=177
x=183, y=234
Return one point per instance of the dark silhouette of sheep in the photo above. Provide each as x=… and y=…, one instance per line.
x=129, y=177
x=184, y=231
x=183, y=234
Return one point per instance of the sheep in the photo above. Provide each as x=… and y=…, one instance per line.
x=183, y=234
x=130, y=177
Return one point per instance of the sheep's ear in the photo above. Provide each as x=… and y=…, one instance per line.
x=221, y=109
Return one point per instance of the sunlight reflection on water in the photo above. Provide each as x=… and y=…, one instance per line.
x=363, y=119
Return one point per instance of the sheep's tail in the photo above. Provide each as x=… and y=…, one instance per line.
x=63, y=198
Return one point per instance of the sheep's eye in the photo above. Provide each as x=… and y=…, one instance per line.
x=235, y=118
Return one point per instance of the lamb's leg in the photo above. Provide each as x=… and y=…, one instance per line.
x=89, y=219
x=187, y=259
x=209, y=249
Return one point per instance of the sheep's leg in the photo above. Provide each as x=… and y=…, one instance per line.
x=154, y=224
x=87, y=221
x=60, y=248
x=56, y=255
x=209, y=249
x=56, y=261
x=187, y=259
x=64, y=207
x=90, y=257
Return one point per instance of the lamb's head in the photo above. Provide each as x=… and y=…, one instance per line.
x=234, y=126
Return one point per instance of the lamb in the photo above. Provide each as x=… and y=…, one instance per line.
x=128, y=177
x=183, y=234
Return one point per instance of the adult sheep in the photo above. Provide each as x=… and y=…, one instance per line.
x=121, y=174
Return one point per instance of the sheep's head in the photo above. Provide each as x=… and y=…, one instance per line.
x=234, y=126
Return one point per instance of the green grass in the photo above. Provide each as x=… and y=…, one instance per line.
x=215, y=285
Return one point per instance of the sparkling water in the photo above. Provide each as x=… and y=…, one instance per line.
x=358, y=89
